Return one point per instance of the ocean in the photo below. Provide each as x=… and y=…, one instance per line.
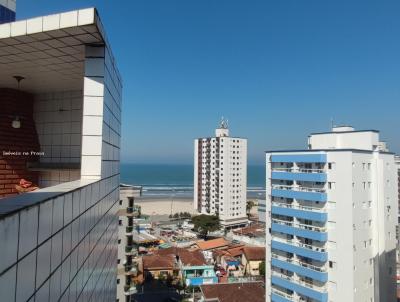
x=161, y=180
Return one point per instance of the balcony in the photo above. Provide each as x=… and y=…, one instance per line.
x=129, y=290
x=129, y=230
x=299, y=158
x=295, y=284
x=297, y=192
x=301, y=249
x=309, y=213
x=316, y=175
x=280, y=296
x=300, y=268
x=299, y=229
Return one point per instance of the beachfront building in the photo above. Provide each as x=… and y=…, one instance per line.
x=333, y=219
x=261, y=210
x=397, y=160
x=128, y=261
x=220, y=177
x=60, y=128
x=7, y=11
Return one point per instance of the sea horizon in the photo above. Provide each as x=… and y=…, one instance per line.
x=176, y=180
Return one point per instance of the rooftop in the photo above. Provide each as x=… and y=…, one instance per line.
x=254, y=253
x=234, y=292
x=158, y=262
x=187, y=257
x=212, y=244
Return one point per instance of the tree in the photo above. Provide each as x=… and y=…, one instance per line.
x=249, y=205
x=261, y=268
x=176, y=215
x=204, y=224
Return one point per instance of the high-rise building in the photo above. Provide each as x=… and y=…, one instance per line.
x=7, y=11
x=220, y=176
x=333, y=216
x=127, y=270
x=60, y=100
x=397, y=160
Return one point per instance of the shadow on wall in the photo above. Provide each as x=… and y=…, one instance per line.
x=385, y=268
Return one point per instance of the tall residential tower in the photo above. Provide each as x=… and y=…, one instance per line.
x=333, y=219
x=220, y=176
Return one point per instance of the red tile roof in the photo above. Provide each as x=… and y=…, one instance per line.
x=158, y=262
x=254, y=253
x=234, y=292
x=212, y=244
x=188, y=258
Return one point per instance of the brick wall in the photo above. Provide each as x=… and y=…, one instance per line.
x=13, y=167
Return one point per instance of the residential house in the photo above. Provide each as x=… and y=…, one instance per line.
x=251, y=259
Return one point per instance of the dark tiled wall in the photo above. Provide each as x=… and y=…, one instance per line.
x=14, y=103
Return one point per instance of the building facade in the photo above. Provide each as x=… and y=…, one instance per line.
x=128, y=261
x=220, y=177
x=261, y=210
x=333, y=216
x=7, y=11
x=59, y=242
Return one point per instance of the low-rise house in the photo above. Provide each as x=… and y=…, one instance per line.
x=233, y=292
x=251, y=259
x=213, y=244
x=158, y=266
x=193, y=267
x=230, y=260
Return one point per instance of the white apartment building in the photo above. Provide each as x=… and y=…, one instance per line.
x=220, y=176
x=333, y=216
x=128, y=261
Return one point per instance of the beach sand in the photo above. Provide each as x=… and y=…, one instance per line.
x=165, y=206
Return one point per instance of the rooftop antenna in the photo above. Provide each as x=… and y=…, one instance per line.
x=332, y=123
x=224, y=123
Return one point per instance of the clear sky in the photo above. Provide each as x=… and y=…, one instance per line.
x=277, y=70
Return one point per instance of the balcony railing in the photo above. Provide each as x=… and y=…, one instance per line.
x=282, y=294
x=300, y=225
x=299, y=207
x=298, y=170
x=321, y=269
x=300, y=244
x=298, y=188
x=294, y=279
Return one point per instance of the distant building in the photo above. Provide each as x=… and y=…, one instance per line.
x=261, y=210
x=333, y=219
x=127, y=268
x=233, y=292
x=220, y=176
x=397, y=160
x=7, y=11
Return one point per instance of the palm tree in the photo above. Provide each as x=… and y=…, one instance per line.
x=249, y=205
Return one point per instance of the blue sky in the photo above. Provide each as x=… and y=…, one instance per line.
x=277, y=70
